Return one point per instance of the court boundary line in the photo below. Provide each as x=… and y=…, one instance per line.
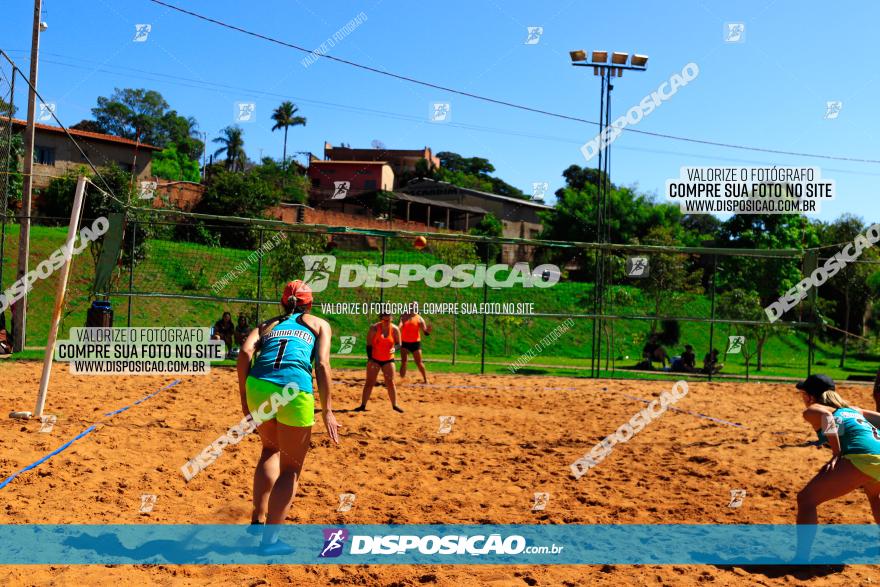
x=83, y=434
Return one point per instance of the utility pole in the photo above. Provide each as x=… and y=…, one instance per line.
x=24, y=238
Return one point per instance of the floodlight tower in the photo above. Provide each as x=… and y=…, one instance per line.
x=606, y=71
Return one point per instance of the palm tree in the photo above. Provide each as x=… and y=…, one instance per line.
x=232, y=143
x=285, y=117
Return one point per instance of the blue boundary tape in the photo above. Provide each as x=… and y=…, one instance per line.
x=82, y=434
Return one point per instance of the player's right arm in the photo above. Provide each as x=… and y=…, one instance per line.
x=324, y=376
x=370, y=334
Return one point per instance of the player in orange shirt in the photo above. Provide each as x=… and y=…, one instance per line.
x=383, y=339
x=411, y=327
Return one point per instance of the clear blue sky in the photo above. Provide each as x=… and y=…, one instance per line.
x=768, y=91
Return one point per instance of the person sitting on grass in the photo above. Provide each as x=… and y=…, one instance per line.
x=223, y=330
x=242, y=330
x=711, y=364
x=687, y=362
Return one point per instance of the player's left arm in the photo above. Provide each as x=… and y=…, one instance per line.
x=425, y=328
x=245, y=355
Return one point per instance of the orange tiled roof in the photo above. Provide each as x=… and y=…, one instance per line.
x=97, y=136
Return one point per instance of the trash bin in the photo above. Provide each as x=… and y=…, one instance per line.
x=100, y=315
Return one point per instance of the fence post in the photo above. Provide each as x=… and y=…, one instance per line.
x=455, y=328
x=259, y=274
x=712, y=315
x=485, y=316
x=131, y=271
x=382, y=289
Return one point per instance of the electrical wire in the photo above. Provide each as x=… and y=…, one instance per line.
x=497, y=101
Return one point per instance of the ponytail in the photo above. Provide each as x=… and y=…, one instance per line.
x=832, y=399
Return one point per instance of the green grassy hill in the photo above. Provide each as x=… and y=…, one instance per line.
x=190, y=269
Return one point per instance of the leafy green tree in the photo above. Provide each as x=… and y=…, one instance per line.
x=144, y=115
x=11, y=180
x=768, y=277
x=171, y=164
x=473, y=173
x=285, y=116
x=292, y=185
x=6, y=107
x=490, y=226
x=741, y=304
x=231, y=140
x=669, y=275
x=849, y=290
x=245, y=195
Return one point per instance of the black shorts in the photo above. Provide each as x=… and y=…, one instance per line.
x=381, y=363
x=412, y=346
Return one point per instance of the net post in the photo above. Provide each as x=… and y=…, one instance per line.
x=59, y=296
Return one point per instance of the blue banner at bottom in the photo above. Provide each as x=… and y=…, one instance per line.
x=29, y=544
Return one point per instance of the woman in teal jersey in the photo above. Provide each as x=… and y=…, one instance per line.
x=852, y=436
x=277, y=390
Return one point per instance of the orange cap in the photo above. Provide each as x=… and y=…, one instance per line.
x=300, y=291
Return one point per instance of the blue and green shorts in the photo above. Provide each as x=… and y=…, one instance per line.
x=299, y=411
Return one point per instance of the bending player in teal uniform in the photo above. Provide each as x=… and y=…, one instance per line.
x=286, y=346
x=852, y=435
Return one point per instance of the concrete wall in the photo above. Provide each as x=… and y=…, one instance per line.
x=101, y=153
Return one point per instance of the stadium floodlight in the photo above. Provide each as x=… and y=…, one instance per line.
x=639, y=60
x=579, y=55
x=604, y=70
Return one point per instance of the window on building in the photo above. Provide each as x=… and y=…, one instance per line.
x=316, y=182
x=370, y=184
x=44, y=155
x=362, y=171
x=128, y=167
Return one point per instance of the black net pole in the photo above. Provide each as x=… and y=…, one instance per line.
x=131, y=271
x=260, y=274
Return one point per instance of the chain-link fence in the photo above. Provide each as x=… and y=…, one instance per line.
x=655, y=308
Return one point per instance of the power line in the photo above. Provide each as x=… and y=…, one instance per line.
x=501, y=102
